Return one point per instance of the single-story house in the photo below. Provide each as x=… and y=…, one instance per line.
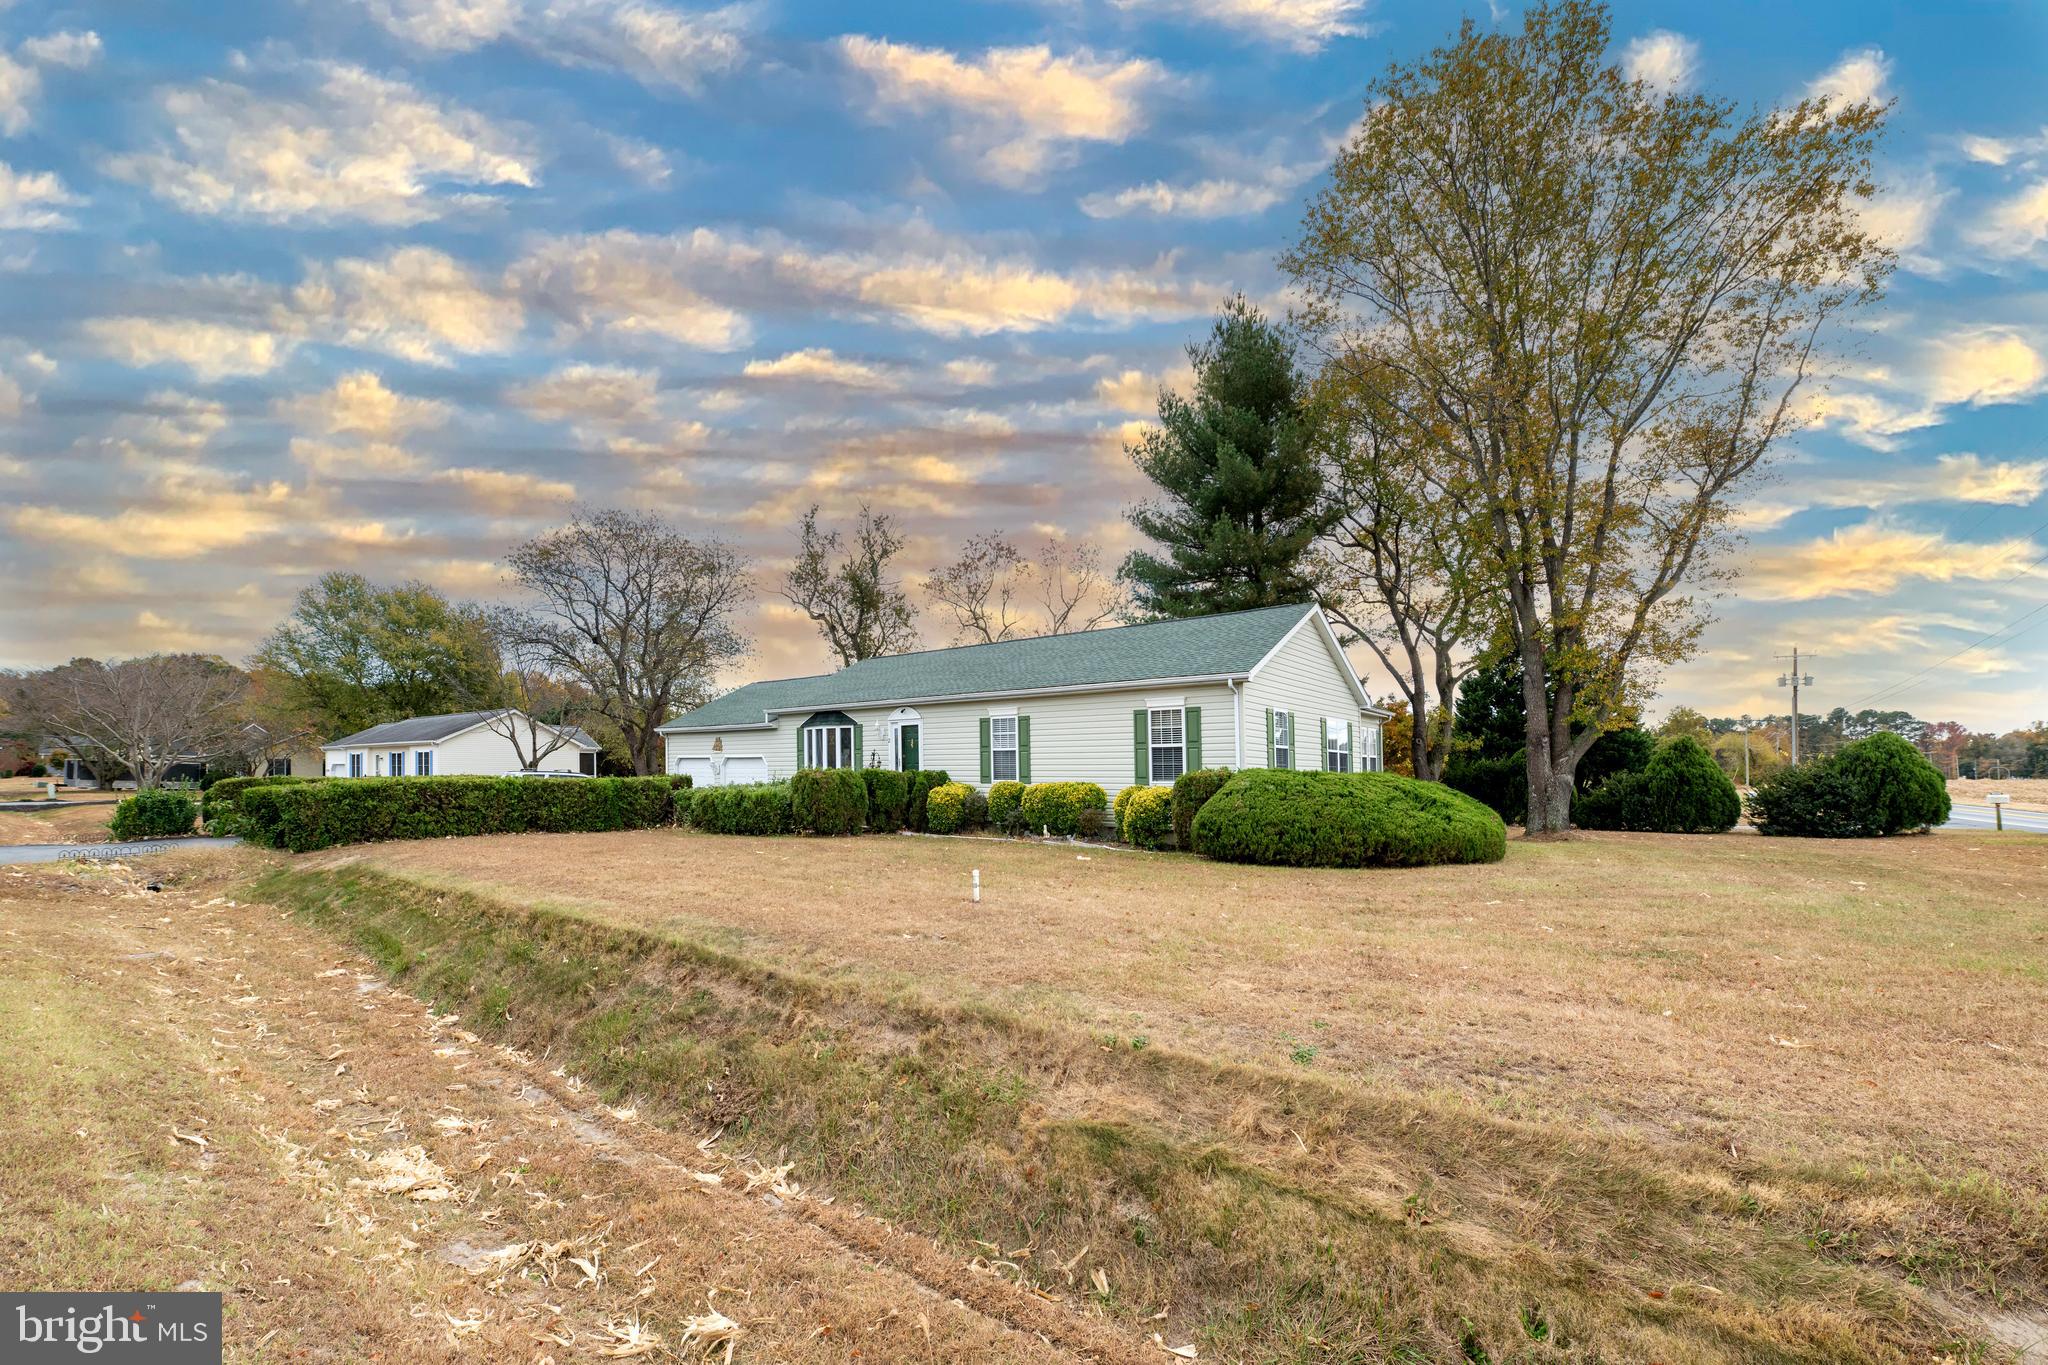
x=462, y=743
x=1129, y=705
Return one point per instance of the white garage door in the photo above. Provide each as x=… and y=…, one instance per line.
x=736, y=770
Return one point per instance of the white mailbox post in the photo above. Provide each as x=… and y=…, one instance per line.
x=1998, y=800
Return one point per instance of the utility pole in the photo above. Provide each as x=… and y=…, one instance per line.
x=1794, y=679
x=1746, y=723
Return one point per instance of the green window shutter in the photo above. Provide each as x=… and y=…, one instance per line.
x=1141, y=749
x=1324, y=761
x=987, y=770
x=1023, y=748
x=860, y=747
x=799, y=748
x=1269, y=736
x=1191, y=719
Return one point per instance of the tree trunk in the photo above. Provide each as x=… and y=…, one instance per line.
x=1550, y=790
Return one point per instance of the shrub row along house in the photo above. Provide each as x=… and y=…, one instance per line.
x=1132, y=705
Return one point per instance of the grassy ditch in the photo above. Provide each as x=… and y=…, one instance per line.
x=1273, y=1218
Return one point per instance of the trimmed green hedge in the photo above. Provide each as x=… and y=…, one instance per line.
x=1681, y=790
x=1299, y=819
x=828, y=800
x=1191, y=791
x=1058, y=807
x=1875, y=787
x=303, y=817
x=753, y=808
x=921, y=783
x=1005, y=800
x=947, y=808
x=1499, y=784
x=1148, y=816
x=217, y=802
x=154, y=814
x=888, y=798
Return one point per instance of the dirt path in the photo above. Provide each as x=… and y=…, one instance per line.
x=202, y=1093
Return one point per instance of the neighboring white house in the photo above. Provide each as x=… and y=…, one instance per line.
x=1134, y=704
x=444, y=746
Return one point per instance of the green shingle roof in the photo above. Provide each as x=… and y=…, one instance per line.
x=1197, y=647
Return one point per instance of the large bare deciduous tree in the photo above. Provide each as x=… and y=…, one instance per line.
x=143, y=714
x=638, y=614
x=861, y=611
x=1396, y=568
x=1607, y=299
x=986, y=588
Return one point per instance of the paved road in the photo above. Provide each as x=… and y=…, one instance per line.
x=1974, y=816
x=57, y=853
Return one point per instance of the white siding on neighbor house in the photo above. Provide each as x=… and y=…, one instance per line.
x=478, y=752
x=1304, y=677
x=1075, y=737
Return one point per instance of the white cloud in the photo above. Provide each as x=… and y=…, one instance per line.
x=1215, y=198
x=30, y=200
x=1017, y=110
x=1858, y=77
x=662, y=47
x=359, y=404
x=1999, y=151
x=1303, y=25
x=186, y=511
x=969, y=372
x=1956, y=478
x=609, y=394
x=211, y=350
x=1984, y=366
x=333, y=142
x=2011, y=483
x=70, y=49
x=19, y=86
x=1876, y=557
x=819, y=365
x=499, y=490
x=416, y=302
x=1902, y=215
x=1662, y=60
x=2016, y=225
x=680, y=285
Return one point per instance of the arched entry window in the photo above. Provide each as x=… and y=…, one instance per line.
x=829, y=739
x=906, y=740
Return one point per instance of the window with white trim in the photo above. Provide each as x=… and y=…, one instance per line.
x=1002, y=748
x=423, y=763
x=355, y=765
x=829, y=746
x=1169, y=744
x=1337, y=758
x=397, y=763
x=1373, y=761
x=1283, y=739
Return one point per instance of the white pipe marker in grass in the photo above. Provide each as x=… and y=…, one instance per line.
x=977, y=886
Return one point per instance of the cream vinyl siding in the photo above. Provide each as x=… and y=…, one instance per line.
x=1303, y=677
x=1075, y=737
x=481, y=752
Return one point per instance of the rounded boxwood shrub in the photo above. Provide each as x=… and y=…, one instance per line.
x=153, y=814
x=946, y=808
x=1345, y=820
x=1003, y=801
x=1681, y=790
x=888, y=797
x=828, y=800
x=1148, y=814
x=1121, y=804
x=1191, y=791
x=921, y=783
x=1056, y=807
x=1499, y=784
x=1875, y=787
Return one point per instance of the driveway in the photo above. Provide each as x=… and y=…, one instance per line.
x=57, y=853
x=1972, y=816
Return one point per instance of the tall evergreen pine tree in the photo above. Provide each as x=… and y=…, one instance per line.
x=1241, y=486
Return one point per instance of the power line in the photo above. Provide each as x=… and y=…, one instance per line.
x=1893, y=687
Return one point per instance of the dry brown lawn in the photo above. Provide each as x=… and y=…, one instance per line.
x=200, y=1093
x=63, y=823
x=1867, y=1001
x=2027, y=793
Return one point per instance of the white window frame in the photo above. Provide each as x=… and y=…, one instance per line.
x=355, y=765
x=1374, y=760
x=1154, y=747
x=1337, y=751
x=997, y=749
x=825, y=743
x=1283, y=739
x=423, y=763
x=397, y=758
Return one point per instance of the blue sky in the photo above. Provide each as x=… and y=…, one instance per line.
x=390, y=284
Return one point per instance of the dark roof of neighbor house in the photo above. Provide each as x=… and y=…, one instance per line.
x=1192, y=647
x=428, y=729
